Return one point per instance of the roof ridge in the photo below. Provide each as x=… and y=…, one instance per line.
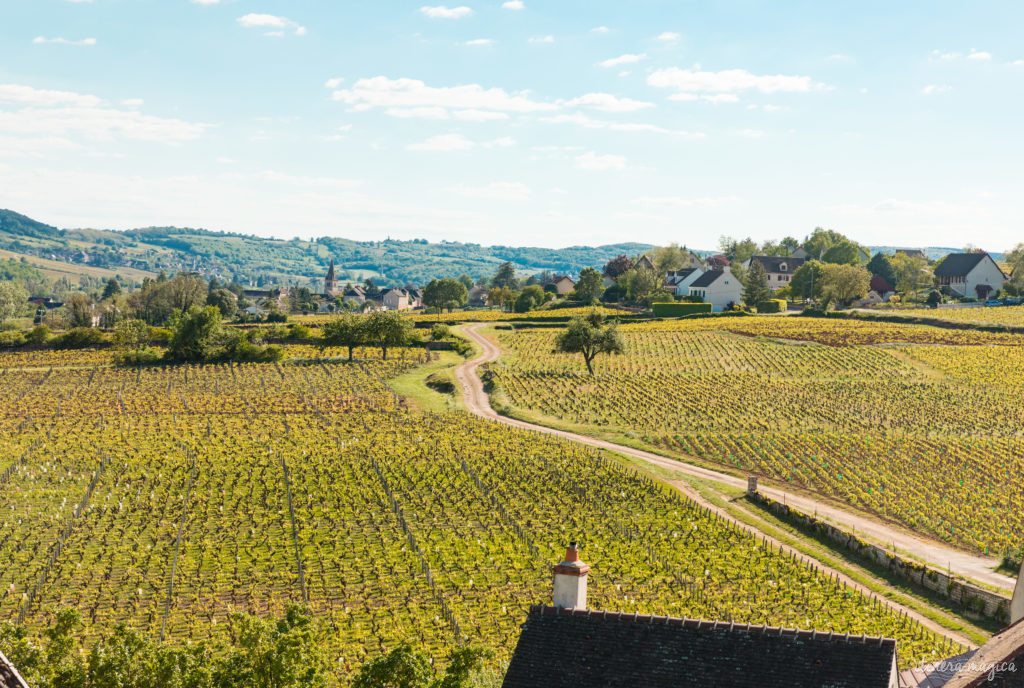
x=702, y=624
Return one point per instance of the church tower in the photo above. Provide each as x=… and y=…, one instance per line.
x=331, y=282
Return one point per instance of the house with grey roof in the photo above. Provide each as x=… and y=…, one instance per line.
x=720, y=288
x=779, y=269
x=973, y=275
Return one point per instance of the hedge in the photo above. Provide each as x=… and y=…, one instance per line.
x=670, y=310
x=772, y=306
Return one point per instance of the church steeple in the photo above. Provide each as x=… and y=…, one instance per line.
x=331, y=282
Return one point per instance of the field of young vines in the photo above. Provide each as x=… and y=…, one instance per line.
x=929, y=434
x=1012, y=316
x=167, y=497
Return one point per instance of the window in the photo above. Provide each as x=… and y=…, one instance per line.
x=783, y=267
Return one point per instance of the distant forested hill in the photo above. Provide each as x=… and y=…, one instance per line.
x=256, y=260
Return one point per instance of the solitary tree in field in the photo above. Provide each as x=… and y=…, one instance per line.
x=348, y=331
x=590, y=336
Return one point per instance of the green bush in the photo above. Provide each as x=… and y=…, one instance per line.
x=675, y=310
x=78, y=338
x=299, y=331
x=772, y=306
x=440, y=331
x=159, y=334
x=11, y=338
x=277, y=317
x=40, y=334
x=147, y=355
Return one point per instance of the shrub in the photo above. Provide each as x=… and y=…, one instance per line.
x=675, y=310
x=11, y=339
x=772, y=306
x=934, y=299
x=78, y=338
x=40, y=334
x=159, y=334
x=299, y=331
x=276, y=317
x=147, y=355
x=440, y=331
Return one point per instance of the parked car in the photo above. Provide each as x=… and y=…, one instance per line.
x=1011, y=301
x=993, y=302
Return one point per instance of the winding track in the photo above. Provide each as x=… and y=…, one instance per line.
x=940, y=556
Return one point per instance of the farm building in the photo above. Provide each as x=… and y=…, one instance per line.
x=720, y=288
x=779, y=268
x=563, y=285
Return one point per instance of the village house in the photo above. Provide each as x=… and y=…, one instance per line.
x=356, y=295
x=911, y=253
x=780, y=269
x=478, y=296
x=972, y=275
x=395, y=299
x=720, y=288
x=415, y=295
x=563, y=285
x=679, y=281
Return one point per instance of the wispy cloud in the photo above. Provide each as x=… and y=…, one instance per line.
x=592, y=161
x=513, y=5
x=608, y=103
x=446, y=143
x=935, y=89
x=588, y=122
x=691, y=84
x=542, y=39
x=274, y=25
x=38, y=40
x=623, y=59
x=679, y=202
x=600, y=29
x=381, y=91
x=668, y=36
x=442, y=12
x=501, y=191
x=480, y=42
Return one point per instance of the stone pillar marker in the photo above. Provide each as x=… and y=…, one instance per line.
x=751, y=485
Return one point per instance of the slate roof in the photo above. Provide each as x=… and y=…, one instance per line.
x=934, y=675
x=330, y=272
x=958, y=264
x=9, y=676
x=774, y=263
x=574, y=647
x=707, y=279
x=1001, y=658
x=677, y=276
x=911, y=253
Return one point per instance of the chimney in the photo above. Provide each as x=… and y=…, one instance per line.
x=571, y=580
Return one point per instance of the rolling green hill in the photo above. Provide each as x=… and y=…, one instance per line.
x=136, y=253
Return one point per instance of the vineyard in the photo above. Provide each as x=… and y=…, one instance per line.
x=490, y=315
x=1012, y=316
x=167, y=497
x=926, y=435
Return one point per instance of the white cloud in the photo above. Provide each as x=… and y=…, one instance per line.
x=590, y=123
x=608, y=103
x=750, y=133
x=593, y=161
x=501, y=142
x=1018, y=62
x=669, y=36
x=473, y=115
x=480, y=41
x=934, y=89
x=442, y=12
x=542, y=39
x=381, y=91
x=939, y=56
x=35, y=147
x=333, y=83
x=979, y=56
x=623, y=59
x=513, y=5
x=276, y=25
x=691, y=84
x=600, y=29
x=132, y=102
x=418, y=112
x=501, y=191
x=443, y=143
x=60, y=114
x=38, y=40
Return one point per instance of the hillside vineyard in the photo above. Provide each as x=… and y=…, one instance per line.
x=925, y=434
x=167, y=497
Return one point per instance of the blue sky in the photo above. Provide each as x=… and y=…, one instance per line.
x=534, y=122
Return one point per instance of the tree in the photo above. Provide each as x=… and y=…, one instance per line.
x=1015, y=258
x=806, y=281
x=274, y=652
x=669, y=257
x=403, y=667
x=843, y=253
x=388, y=329
x=640, y=284
x=194, y=334
x=820, y=241
x=466, y=280
x=111, y=289
x=131, y=335
x=348, y=331
x=225, y=301
x=444, y=293
x=618, y=266
x=737, y=251
x=881, y=265
x=79, y=310
x=789, y=245
x=934, y=298
x=13, y=300
x=843, y=284
x=187, y=290
x=755, y=285
x=499, y=296
x=590, y=336
x=912, y=273
x=529, y=298
x=505, y=276
x=590, y=285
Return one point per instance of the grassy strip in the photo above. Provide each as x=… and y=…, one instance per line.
x=414, y=389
